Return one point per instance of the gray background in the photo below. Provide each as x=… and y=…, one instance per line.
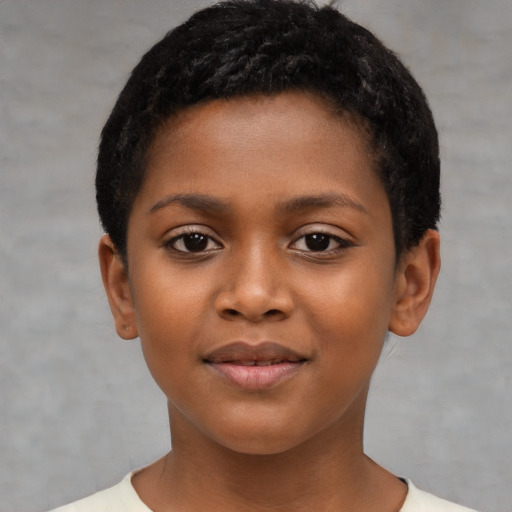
x=78, y=409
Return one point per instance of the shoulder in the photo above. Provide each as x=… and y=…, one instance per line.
x=421, y=501
x=120, y=497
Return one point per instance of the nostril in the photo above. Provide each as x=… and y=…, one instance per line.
x=272, y=312
x=232, y=312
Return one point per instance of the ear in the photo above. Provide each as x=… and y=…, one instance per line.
x=117, y=287
x=414, y=284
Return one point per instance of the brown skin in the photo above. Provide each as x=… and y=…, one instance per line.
x=296, y=445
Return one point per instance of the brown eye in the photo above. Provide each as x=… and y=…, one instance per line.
x=193, y=242
x=321, y=243
x=318, y=242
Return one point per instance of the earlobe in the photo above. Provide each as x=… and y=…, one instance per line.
x=414, y=285
x=117, y=288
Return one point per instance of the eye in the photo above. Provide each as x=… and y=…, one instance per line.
x=320, y=242
x=193, y=242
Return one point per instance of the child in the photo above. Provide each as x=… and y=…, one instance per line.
x=269, y=185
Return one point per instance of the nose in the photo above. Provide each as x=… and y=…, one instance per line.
x=254, y=289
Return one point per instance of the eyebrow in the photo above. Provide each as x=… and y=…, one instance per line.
x=199, y=202
x=209, y=204
x=301, y=203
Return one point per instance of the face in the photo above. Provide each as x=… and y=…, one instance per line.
x=261, y=270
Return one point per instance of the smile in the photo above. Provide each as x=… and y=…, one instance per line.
x=255, y=367
x=260, y=363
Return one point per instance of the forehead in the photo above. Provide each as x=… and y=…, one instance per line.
x=306, y=112
x=288, y=143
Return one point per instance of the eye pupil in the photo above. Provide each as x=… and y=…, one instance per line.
x=317, y=241
x=195, y=242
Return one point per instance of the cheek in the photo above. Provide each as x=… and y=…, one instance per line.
x=349, y=309
x=169, y=317
x=169, y=303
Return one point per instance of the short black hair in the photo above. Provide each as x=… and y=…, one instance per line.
x=243, y=47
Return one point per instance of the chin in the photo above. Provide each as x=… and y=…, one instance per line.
x=269, y=440
x=260, y=446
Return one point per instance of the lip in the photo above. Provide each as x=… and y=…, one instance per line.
x=255, y=367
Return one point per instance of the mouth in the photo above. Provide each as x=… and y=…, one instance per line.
x=255, y=367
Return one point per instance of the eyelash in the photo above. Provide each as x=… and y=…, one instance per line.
x=204, y=241
x=342, y=243
x=191, y=232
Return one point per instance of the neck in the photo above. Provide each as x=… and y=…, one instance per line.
x=326, y=472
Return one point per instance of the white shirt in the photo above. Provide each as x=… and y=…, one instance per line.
x=123, y=498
